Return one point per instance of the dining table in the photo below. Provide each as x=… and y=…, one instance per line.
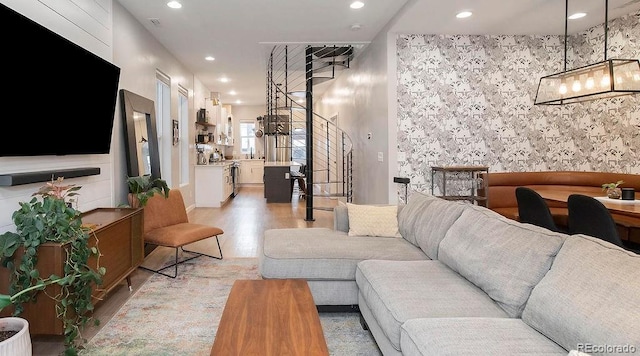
x=626, y=207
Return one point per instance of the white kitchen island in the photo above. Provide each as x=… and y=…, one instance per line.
x=214, y=185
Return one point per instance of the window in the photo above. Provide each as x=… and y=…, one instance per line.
x=299, y=145
x=247, y=137
x=164, y=125
x=183, y=119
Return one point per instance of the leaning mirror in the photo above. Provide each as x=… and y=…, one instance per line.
x=141, y=143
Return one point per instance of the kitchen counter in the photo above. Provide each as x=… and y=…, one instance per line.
x=281, y=164
x=216, y=164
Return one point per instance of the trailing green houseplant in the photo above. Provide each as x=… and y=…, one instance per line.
x=142, y=188
x=50, y=217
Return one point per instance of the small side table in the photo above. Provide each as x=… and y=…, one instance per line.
x=405, y=181
x=469, y=178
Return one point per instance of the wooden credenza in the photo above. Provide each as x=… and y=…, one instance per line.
x=121, y=244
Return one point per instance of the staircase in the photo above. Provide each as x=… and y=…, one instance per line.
x=293, y=132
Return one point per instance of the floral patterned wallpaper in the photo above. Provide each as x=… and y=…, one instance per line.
x=468, y=100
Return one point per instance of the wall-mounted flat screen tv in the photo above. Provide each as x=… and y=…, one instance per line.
x=59, y=99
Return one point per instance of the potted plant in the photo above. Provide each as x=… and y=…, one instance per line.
x=15, y=339
x=142, y=188
x=612, y=189
x=50, y=217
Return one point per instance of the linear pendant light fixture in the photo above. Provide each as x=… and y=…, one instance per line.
x=606, y=79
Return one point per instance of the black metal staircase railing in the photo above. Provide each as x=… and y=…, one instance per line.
x=294, y=132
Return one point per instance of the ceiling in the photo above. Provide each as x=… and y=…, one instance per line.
x=240, y=33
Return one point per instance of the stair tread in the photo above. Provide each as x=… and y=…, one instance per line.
x=318, y=80
x=324, y=52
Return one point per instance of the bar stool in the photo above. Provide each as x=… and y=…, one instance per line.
x=302, y=184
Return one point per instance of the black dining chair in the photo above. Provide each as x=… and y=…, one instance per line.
x=590, y=217
x=533, y=209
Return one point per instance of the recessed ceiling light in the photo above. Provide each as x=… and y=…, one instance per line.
x=464, y=14
x=238, y=101
x=233, y=92
x=174, y=4
x=356, y=5
x=356, y=27
x=577, y=15
x=224, y=80
x=209, y=58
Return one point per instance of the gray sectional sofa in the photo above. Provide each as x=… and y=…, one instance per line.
x=465, y=280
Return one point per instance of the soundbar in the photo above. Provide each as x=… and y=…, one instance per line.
x=11, y=179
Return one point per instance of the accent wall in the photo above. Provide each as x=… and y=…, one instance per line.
x=468, y=100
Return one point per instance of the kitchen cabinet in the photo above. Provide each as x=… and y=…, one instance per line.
x=214, y=185
x=251, y=171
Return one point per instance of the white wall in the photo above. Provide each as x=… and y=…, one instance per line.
x=139, y=55
x=509, y=134
x=127, y=44
x=359, y=97
x=468, y=100
x=87, y=24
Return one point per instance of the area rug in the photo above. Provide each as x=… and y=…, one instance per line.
x=180, y=316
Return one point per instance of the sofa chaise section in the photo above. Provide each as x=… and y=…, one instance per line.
x=474, y=336
x=392, y=292
x=327, y=259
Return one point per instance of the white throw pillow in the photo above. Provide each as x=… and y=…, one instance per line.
x=371, y=220
x=577, y=353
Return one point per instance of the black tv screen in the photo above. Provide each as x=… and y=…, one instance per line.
x=61, y=97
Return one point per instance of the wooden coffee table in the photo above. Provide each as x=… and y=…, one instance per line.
x=270, y=317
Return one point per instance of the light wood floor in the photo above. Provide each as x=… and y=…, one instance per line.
x=243, y=220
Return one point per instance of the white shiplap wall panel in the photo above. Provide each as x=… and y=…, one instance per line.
x=93, y=22
x=77, y=24
x=88, y=23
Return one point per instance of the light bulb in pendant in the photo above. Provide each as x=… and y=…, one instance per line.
x=589, y=84
x=563, y=89
x=636, y=77
x=605, y=82
x=576, y=86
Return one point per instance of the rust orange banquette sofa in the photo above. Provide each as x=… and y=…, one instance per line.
x=502, y=197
